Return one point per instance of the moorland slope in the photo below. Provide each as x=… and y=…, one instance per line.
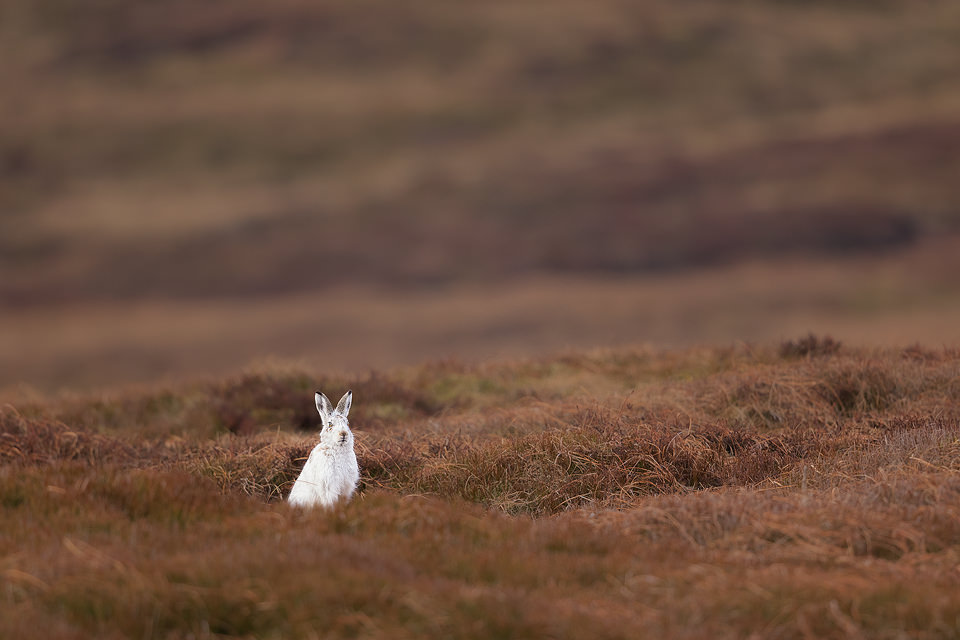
x=242, y=148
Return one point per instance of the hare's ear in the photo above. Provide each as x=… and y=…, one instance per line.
x=324, y=406
x=343, y=407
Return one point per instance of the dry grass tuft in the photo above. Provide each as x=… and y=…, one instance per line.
x=861, y=387
x=254, y=467
x=25, y=441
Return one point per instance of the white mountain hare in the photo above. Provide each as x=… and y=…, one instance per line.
x=331, y=472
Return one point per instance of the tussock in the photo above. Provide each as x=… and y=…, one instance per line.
x=41, y=441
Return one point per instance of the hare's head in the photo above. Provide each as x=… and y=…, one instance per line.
x=335, y=431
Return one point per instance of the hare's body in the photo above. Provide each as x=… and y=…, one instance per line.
x=331, y=472
x=327, y=477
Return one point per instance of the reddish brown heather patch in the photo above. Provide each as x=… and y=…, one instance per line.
x=711, y=495
x=251, y=466
x=602, y=457
x=41, y=441
x=506, y=449
x=752, y=387
x=243, y=405
x=830, y=391
x=714, y=564
x=904, y=513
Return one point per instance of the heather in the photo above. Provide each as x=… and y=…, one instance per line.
x=788, y=490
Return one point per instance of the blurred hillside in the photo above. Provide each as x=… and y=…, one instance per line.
x=180, y=151
x=234, y=147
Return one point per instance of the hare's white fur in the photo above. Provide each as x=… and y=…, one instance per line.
x=331, y=472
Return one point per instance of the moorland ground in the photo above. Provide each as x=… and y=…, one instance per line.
x=805, y=490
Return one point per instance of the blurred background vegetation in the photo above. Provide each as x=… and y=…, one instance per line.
x=187, y=186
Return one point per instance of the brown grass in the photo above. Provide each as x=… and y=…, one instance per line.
x=706, y=493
